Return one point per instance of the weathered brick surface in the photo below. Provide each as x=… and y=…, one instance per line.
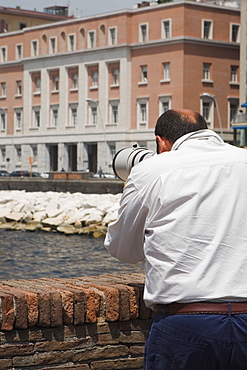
x=128, y=363
x=5, y=364
x=7, y=311
x=79, y=323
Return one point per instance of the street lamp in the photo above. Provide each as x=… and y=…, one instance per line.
x=207, y=95
x=102, y=123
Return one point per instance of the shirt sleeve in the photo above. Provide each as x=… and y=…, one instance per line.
x=125, y=236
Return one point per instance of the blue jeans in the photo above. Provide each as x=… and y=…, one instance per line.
x=197, y=342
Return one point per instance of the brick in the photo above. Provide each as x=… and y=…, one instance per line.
x=101, y=352
x=111, y=301
x=135, y=325
x=132, y=337
x=128, y=363
x=107, y=338
x=56, y=309
x=67, y=367
x=31, y=297
x=67, y=298
x=8, y=350
x=93, y=304
x=63, y=345
x=7, y=311
x=20, y=308
x=44, y=300
x=44, y=358
x=137, y=350
x=6, y=364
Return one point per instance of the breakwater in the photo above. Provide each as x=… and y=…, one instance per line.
x=69, y=213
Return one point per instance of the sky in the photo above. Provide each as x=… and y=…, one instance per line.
x=78, y=8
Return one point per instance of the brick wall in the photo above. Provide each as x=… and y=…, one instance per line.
x=77, y=323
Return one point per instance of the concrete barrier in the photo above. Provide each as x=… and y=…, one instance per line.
x=86, y=186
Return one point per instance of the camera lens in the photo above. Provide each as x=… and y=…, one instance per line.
x=126, y=158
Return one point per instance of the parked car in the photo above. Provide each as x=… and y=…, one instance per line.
x=104, y=175
x=20, y=174
x=36, y=174
x=4, y=173
x=45, y=175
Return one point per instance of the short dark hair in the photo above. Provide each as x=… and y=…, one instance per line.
x=173, y=124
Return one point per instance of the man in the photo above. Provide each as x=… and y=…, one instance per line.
x=184, y=211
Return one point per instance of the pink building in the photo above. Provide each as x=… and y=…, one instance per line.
x=74, y=92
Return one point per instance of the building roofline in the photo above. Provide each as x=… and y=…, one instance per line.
x=119, y=12
x=31, y=13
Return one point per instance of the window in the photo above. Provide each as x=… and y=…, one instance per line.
x=18, y=154
x=234, y=74
x=164, y=104
x=73, y=115
x=34, y=48
x=207, y=110
x=54, y=116
x=91, y=39
x=3, y=155
x=37, y=85
x=234, y=32
x=53, y=45
x=18, y=119
x=115, y=76
x=18, y=88
x=36, y=117
x=206, y=72
x=71, y=45
x=95, y=79
x=207, y=29
x=22, y=25
x=114, y=111
x=142, y=112
x=75, y=81
x=233, y=109
x=3, y=121
x=144, y=76
x=3, y=89
x=56, y=83
x=3, y=54
x=166, y=29
x=166, y=67
x=18, y=51
x=112, y=147
x=94, y=115
x=112, y=36
x=143, y=33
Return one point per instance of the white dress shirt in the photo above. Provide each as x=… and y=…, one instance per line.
x=185, y=212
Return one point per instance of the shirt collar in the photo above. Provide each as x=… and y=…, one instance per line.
x=201, y=134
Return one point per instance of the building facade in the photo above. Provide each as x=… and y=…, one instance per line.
x=72, y=93
x=14, y=19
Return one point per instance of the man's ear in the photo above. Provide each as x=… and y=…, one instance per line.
x=163, y=145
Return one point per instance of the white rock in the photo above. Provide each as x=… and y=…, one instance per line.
x=54, y=208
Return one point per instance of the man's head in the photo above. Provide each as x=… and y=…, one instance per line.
x=173, y=124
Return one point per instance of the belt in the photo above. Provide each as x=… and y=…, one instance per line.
x=201, y=308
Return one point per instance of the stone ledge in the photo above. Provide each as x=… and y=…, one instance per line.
x=56, y=302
